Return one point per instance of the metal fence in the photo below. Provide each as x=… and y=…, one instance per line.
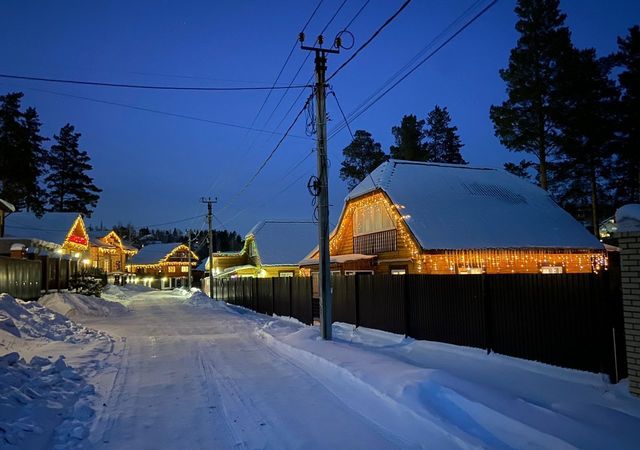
x=570, y=320
x=20, y=278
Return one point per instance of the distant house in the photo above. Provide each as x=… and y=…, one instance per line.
x=110, y=253
x=162, y=265
x=271, y=249
x=426, y=218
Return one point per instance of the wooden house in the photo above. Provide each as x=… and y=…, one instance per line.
x=272, y=248
x=6, y=208
x=162, y=265
x=108, y=252
x=426, y=218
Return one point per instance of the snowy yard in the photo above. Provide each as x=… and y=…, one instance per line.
x=174, y=370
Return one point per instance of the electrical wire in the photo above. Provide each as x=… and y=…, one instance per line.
x=153, y=87
x=359, y=111
x=371, y=38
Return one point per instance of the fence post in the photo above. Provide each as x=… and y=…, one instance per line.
x=488, y=319
x=290, y=283
x=357, y=300
x=407, y=316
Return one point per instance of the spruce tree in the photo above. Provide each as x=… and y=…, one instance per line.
x=361, y=157
x=520, y=169
x=586, y=120
x=443, y=143
x=627, y=163
x=409, y=138
x=22, y=157
x=70, y=188
x=524, y=122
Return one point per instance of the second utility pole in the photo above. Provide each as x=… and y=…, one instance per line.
x=324, y=263
x=209, y=203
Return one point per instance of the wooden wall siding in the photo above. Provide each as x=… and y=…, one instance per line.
x=224, y=262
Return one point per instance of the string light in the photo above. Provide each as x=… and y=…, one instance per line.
x=517, y=260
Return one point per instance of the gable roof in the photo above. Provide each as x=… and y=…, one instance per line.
x=284, y=242
x=450, y=206
x=52, y=227
x=154, y=253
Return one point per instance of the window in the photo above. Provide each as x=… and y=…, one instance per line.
x=171, y=269
x=184, y=269
x=350, y=273
x=398, y=270
x=371, y=219
x=286, y=274
x=551, y=269
x=470, y=270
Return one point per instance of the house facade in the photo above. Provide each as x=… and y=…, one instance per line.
x=425, y=218
x=162, y=265
x=108, y=252
x=272, y=248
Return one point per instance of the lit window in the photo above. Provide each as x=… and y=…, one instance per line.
x=371, y=219
x=172, y=269
x=286, y=274
x=398, y=271
x=551, y=269
x=184, y=269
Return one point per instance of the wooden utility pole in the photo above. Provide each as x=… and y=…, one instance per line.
x=322, y=188
x=189, y=276
x=209, y=203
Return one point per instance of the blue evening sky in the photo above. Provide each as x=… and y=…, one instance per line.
x=154, y=168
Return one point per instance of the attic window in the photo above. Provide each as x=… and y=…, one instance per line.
x=495, y=191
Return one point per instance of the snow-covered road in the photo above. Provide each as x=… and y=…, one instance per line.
x=201, y=378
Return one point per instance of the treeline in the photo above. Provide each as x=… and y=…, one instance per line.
x=432, y=139
x=36, y=178
x=223, y=240
x=574, y=114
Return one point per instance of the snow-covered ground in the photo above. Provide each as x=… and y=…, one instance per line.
x=183, y=371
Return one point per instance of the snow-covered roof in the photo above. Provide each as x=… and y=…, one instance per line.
x=6, y=206
x=153, y=253
x=449, y=206
x=284, y=242
x=628, y=217
x=52, y=227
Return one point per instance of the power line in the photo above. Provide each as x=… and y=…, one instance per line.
x=164, y=113
x=354, y=115
x=371, y=38
x=153, y=87
x=353, y=19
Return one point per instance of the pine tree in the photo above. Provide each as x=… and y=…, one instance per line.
x=409, y=138
x=520, y=169
x=627, y=163
x=71, y=189
x=361, y=157
x=524, y=122
x=586, y=120
x=22, y=157
x=443, y=143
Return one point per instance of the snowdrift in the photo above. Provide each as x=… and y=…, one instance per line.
x=77, y=305
x=40, y=395
x=30, y=319
x=123, y=293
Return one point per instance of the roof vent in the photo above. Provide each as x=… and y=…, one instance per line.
x=495, y=191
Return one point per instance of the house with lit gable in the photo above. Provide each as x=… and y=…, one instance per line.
x=427, y=218
x=162, y=265
x=272, y=248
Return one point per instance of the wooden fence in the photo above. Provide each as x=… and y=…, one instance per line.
x=570, y=320
x=20, y=278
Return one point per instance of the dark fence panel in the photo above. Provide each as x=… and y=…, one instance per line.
x=64, y=274
x=282, y=296
x=265, y=296
x=20, y=278
x=344, y=299
x=446, y=308
x=381, y=302
x=301, y=295
x=557, y=319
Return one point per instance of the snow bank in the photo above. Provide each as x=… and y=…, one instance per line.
x=41, y=396
x=195, y=297
x=628, y=217
x=77, y=305
x=461, y=394
x=30, y=319
x=123, y=293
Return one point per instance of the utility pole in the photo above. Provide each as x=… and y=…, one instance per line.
x=209, y=203
x=322, y=188
x=189, y=278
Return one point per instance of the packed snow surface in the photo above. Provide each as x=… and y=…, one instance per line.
x=189, y=372
x=78, y=306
